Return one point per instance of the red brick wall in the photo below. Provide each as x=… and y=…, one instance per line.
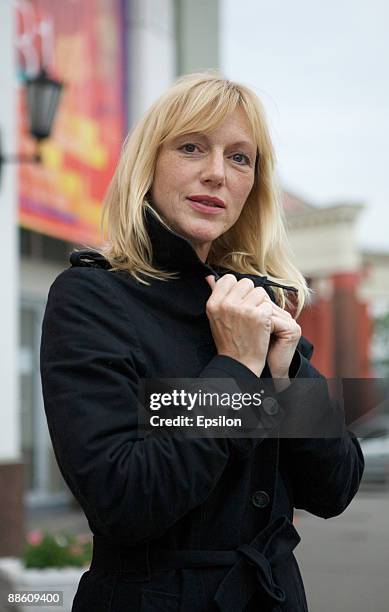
x=317, y=325
x=340, y=328
x=11, y=509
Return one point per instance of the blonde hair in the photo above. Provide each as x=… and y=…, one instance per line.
x=256, y=244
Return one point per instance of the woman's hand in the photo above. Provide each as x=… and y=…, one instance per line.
x=249, y=327
x=240, y=316
x=283, y=343
x=284, y=340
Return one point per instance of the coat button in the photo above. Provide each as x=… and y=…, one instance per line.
x=270, y=405
x=260, y=499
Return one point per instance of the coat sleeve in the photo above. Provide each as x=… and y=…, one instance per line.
x=130, y=488
x=324, y=473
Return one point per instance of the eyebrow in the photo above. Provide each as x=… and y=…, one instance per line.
x=239, y=143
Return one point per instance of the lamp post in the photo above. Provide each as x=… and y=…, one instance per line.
x=42, y=98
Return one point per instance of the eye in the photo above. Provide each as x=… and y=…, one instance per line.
x=188, y=147
x=243, y=157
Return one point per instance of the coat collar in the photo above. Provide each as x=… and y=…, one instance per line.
x=171, y=253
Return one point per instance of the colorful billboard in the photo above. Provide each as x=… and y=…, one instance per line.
x=80, y=42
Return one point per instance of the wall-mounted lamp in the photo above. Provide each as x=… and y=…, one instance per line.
x=42, y=97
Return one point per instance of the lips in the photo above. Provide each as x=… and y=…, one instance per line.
x=208, y=201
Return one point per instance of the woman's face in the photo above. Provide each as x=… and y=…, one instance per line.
x=193, y=168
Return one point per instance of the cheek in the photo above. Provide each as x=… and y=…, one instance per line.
x=173, y=176
x=242, y=187
x=158, y=182
x=183, y=173
x=163, y=186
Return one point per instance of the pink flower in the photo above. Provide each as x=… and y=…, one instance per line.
x=75, y=550
x=83, y=538
x=34, y=537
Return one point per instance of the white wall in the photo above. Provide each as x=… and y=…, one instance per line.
x=9, y=392
x=151, y=48
x=36, y=278
x=198, y=35
x=168, y=38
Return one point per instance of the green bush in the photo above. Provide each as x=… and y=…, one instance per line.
x=56, y=550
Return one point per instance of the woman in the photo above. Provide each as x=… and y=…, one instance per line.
x=191, y=283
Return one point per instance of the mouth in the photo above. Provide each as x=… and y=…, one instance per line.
x=206, y=208
x=207, y=202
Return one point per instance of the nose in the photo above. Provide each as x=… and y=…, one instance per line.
x=213, y=170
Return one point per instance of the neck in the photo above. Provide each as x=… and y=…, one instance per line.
x=202, y=250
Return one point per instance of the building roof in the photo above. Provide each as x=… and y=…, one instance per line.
x=293, y=204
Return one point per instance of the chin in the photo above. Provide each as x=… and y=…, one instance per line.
x=204, y=232
x=203, y=237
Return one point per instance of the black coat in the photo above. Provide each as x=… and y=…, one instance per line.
x=226, y=504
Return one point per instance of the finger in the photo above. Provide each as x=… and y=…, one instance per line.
x=239, y=291
x=256, y=297
x=265, y=312
x=281, y=311
x=222, y=288
x=282, y=325
x=211, y=280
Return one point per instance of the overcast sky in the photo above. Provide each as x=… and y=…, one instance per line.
x=322, y=71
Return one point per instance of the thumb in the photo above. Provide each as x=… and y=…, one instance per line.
x=211, y=281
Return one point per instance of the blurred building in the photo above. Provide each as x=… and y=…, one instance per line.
x=347, y=320
x=338, y=321
x=116, y=57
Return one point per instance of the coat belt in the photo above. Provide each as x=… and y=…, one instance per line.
x=251, y=565
x=254, y=568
